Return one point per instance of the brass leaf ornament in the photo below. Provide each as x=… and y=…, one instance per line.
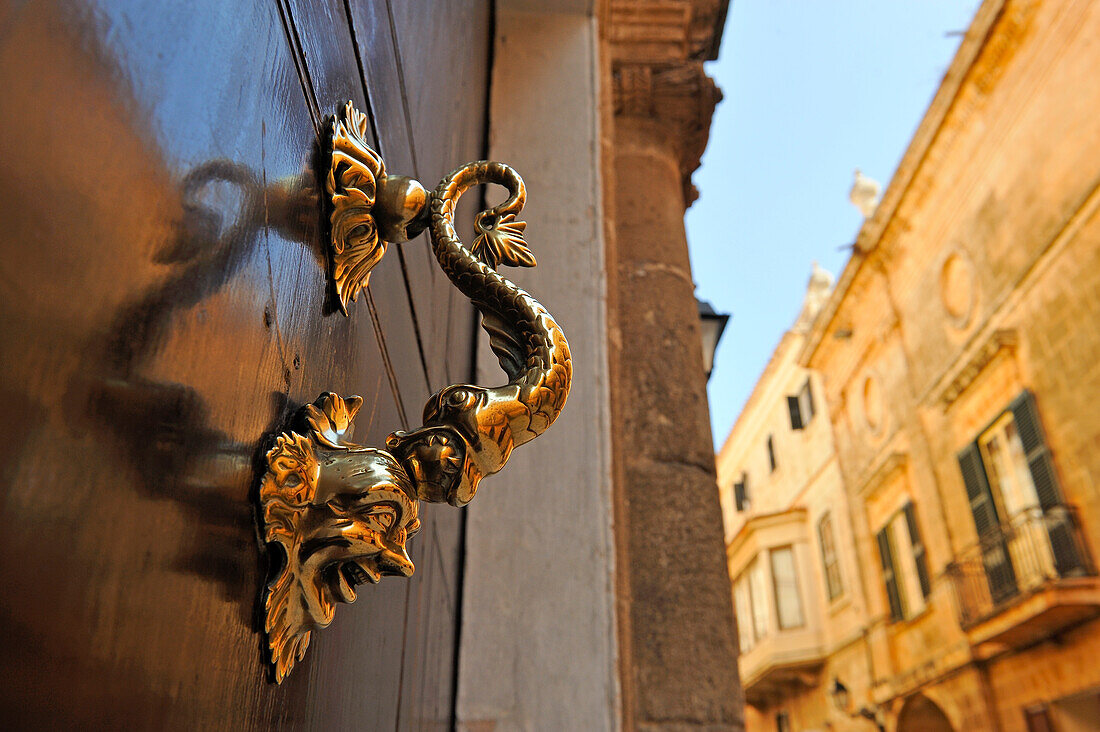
x=369, y=208
x=337, y=515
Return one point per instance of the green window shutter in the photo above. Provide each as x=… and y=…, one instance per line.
x=1067, y=558
x=886, y=554
x=919, y=554
x=998, y=568
x=982, y=507
x=1031, y=435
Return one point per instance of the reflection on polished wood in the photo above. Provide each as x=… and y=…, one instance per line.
x=342, y=512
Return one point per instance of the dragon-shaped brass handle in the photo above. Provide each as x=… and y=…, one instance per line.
x=342, y=513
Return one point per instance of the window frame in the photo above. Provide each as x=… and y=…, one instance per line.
x=741, y=500
x=801, y=406
x=800, y=605
x=908, y=573
x=761, y=621
x=987, y=502
x=747, y=630
x=830, y=558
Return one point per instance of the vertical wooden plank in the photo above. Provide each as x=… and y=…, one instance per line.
x=157, y=338
x=424, y=633
x=164, y=309
x=414, y=111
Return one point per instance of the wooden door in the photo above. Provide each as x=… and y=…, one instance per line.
x=163, y=307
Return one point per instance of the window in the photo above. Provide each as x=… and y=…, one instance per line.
x=801, y=407
x=1037, y=719
x=758, y=583
x=1013, y=492
x=752, y=596
x=785, y=581
x=741, y=493
x=833, y=584
x=750, y=603
x=771, y=453
x=742, y=606
x=904, y=564
x=1007, y=468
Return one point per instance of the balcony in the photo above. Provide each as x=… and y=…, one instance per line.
x=1027, y=580
x=781, y=665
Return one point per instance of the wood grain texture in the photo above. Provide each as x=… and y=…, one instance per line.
x=161, y=318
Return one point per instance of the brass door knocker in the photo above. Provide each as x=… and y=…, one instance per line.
x=342, y=513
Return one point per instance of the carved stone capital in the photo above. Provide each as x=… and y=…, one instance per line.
x=680, y=98
x=657, y=49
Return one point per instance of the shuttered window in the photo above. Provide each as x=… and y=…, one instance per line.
x=796, y=412
x=1067, y=558
x=806, y=402
x=1036, y=452
x=904, y=564
x=994, y=548
x=1010, y=480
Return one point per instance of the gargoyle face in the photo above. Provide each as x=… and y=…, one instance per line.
x=342, y=518
x=355, y=528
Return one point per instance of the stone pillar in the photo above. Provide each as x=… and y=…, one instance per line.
x=677, y=634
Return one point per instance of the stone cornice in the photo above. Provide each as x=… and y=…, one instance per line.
x=664, y=31
x=657, y=49
x=954, y=383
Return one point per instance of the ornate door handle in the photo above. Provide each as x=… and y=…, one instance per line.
x=342, y=513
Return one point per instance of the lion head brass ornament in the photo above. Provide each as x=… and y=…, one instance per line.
x=342, y=513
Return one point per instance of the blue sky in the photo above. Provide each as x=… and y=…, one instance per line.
x=813, y=90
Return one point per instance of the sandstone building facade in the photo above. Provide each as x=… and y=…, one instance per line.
x=911, y=493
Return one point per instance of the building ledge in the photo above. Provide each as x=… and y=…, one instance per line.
x=763, y=531
x=1037, y=615
x=782, y=665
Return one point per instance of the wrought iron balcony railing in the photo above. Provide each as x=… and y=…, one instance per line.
x=1024, y=555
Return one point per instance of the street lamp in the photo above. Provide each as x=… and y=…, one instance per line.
x=840, y=695
x=842, y=698
x=711, y=325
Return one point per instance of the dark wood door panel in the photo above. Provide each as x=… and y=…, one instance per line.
x=448, y=55
x=451, y=133
x=446, y=319
x=414, y=619
x=162, y=312
x=153, y=342
x=318, y=29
